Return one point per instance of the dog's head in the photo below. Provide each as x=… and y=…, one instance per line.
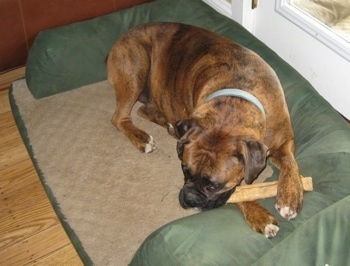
x=214, y=164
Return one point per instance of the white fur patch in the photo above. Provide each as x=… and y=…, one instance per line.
x=150, y=146
x=286, y=212
x=271, y=230
x=170, y=126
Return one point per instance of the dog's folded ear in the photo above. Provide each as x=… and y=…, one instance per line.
x=180, y=147
x=254, y=155
x=182, y=126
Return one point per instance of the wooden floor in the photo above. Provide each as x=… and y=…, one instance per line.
x=30, y=232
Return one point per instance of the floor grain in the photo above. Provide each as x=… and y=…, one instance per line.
x=30, y=231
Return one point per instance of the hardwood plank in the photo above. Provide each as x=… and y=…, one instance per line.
x=12, y=153
x=30, y=231
x=23, y=226
x=63, y=256
x=33, y=248
x=23, y=198
x=17, y=176
x=4, y=106
x=6, y=78
x=12, y=149
x=8, y=128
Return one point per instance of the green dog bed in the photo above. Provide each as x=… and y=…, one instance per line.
x=69, y=57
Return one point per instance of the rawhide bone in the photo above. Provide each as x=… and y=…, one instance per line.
x=262, y=190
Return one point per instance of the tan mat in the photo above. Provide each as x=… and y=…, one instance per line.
x=112, y=195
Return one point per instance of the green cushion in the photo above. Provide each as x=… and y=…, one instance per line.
x=69, y=57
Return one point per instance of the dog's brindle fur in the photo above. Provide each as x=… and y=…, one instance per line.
x=172, y=68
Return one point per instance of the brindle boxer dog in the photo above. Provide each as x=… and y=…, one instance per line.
x=224, y=104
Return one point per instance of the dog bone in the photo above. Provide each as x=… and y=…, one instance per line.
x=262, y=190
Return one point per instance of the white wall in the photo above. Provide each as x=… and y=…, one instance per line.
x=327, y=71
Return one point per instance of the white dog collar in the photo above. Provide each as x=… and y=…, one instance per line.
x=237, y=93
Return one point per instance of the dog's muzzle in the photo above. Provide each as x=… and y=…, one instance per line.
x=191, y=197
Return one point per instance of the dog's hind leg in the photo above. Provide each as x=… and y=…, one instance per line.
x=128, y=74
x=123, y=122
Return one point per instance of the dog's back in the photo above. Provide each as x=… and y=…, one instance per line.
x=178, y=66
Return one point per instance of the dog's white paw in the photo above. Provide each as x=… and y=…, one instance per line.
x=271, y=230
x=171, y=130
x=286, y=212
x=170, y=127
x=150, y=146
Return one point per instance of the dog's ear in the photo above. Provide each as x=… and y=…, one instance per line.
x=254, y=154
x=182, y=126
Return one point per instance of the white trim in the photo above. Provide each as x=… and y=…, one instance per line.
x=238, y=10
x=243, y=13
x=221, y=6
x=314, y=28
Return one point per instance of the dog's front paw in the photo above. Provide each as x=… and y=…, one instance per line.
x=289, y=212
x=286, y=212
x=266, y=224
x=289, y=200
x=271, y=230
x=150, y=146
x=259, y=219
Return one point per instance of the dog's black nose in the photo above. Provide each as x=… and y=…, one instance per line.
x=190, y=198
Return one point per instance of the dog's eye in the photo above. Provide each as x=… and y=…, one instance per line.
x=185, y=168
x=211, y=186
x=186, y=171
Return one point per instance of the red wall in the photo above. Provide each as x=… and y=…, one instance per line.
x=21, y=20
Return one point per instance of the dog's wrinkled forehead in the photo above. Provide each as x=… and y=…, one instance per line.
x=208, y=142
x=213, y=160
x=207, y=160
